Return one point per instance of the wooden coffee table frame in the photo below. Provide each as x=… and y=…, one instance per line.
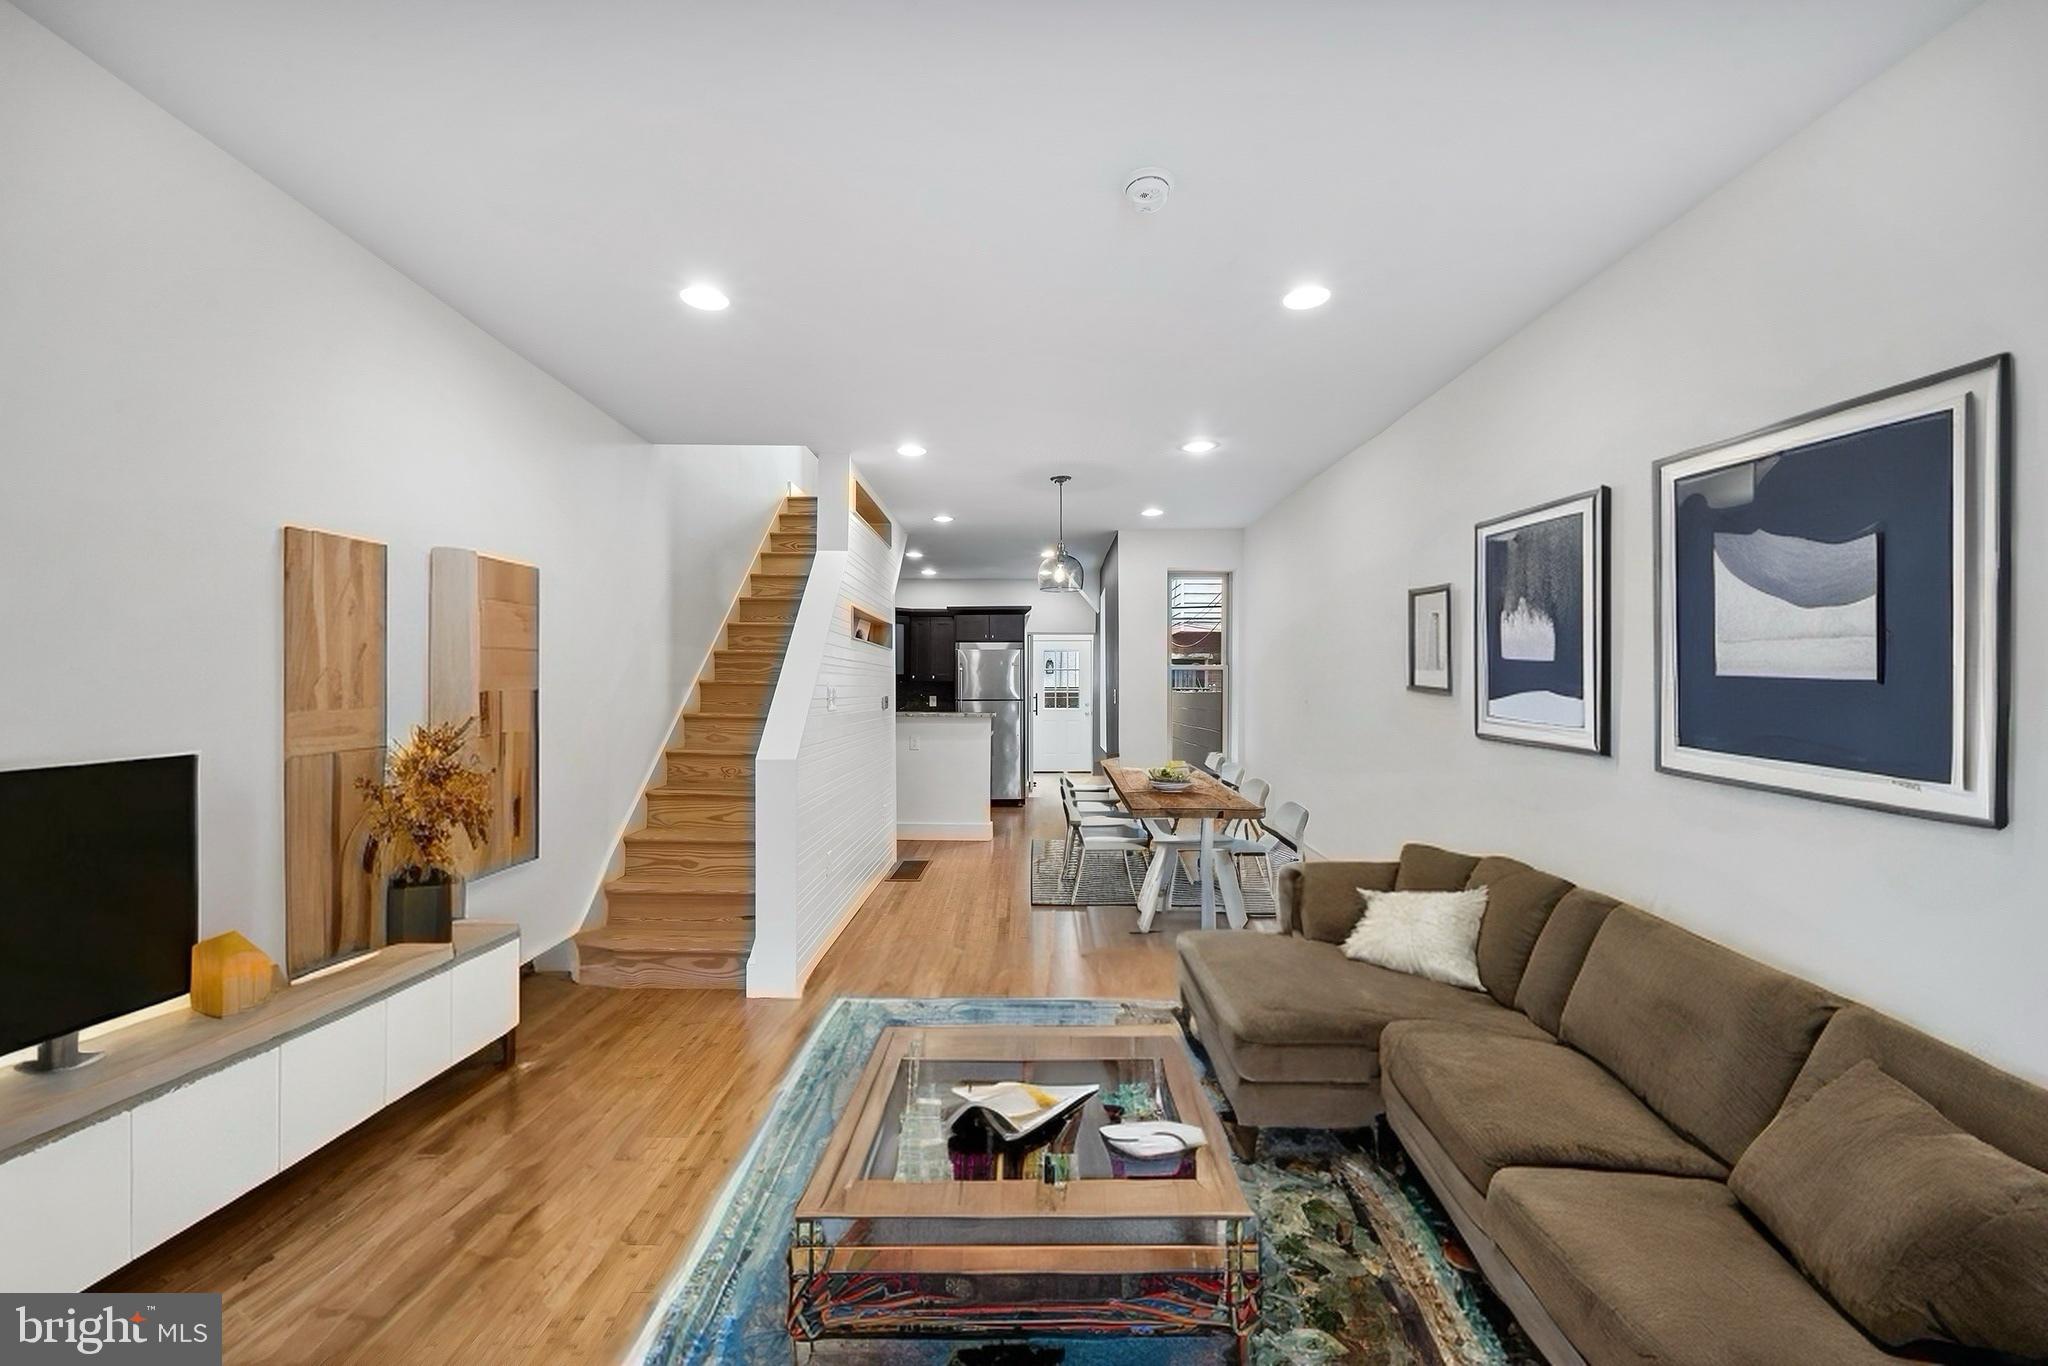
x=1182, y=1252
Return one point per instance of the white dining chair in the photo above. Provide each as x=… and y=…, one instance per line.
x=1094, y=799
x=1230, y=772
x=1285, y=827
x=1255, y=791
x=1091, y=832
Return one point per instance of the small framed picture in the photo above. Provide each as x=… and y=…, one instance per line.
x=1429, y=639
x=1539, y=609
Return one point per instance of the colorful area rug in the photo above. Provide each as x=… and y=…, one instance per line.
x=1359, y=1263
x=1112, y=878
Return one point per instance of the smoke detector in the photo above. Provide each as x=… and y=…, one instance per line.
x=1147, y=188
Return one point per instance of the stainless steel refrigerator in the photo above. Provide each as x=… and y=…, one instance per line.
x=990, y=678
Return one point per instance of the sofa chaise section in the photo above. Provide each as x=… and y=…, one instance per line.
x=1293, y=1027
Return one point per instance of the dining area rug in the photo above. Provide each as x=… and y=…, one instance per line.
x=1111, y=877
x=1359, y=1263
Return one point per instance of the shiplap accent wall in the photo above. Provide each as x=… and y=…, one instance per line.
x=825, y=797
x=846, y=771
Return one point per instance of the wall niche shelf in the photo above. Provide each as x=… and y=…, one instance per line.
x=869, y=629
x=871, y=515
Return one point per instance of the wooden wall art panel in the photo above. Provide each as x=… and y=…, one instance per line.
x=334, y=733
x=484, y=662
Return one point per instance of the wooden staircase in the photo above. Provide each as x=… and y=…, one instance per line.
x=682, y=913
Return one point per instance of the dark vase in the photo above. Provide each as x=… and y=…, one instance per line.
x=420, y=912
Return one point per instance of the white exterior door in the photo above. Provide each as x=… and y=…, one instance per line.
x=1062, y=704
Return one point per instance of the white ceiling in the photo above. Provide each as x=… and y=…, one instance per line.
x=916, y=207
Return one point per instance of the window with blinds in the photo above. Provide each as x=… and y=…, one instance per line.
x=1197, y=633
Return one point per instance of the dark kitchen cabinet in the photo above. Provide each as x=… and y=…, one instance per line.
x=1002, y=624
x=929, y=657
x=926, y=636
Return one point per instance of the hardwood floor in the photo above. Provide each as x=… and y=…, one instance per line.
x=532, y=1214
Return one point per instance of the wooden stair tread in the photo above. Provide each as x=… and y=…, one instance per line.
x=681, y=884
x=654, y=834
x=664, y=938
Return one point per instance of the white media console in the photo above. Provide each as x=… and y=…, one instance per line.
x=181, y=1114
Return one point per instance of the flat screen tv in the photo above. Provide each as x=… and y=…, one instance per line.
x=99, y=893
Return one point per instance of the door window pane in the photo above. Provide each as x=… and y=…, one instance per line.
x=1062, y=691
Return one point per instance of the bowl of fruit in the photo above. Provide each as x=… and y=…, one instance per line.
x=1173, y=777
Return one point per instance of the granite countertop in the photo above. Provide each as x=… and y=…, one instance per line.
x=945, y=715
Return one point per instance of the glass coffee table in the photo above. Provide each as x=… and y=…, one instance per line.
x=1053, y=1234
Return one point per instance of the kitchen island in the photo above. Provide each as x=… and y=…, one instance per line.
x=942, y=775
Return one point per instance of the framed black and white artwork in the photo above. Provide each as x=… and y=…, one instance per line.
x=1429, y=639
x=1831, y=602
x=1539, y=618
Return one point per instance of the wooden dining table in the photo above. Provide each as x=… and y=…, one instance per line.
x=1207, y=803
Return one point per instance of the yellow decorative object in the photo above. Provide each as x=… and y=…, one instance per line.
x=231, y=975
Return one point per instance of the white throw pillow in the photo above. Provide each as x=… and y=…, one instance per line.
x=1426, y=934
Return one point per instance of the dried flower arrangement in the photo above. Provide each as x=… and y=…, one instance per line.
x=432, y=788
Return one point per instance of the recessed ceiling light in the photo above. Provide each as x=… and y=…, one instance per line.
x=910, y=448
x=1306, y=296
x=927, y=571
x=1201, y=445
x=1153, y=512
x=943, y=518
x=913, y=554
x=710, y=298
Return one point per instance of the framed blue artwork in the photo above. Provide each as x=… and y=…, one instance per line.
x=1831, y=602
x=1539, y=619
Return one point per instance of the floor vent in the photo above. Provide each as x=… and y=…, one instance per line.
x=910, y=870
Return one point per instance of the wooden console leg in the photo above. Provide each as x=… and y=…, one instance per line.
x=508, y=1047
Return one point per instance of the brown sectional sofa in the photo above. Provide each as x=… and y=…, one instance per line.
x=1579, y=1117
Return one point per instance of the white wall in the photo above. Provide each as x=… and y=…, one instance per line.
x=1071, y=614
x=825, y=772
x=724, y=499
x=1143, y=560
x=1901, y=234
x=192, y=360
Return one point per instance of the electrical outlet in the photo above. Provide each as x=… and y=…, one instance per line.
x=913, y=740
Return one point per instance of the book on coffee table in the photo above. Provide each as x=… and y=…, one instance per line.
x=1016, y=1109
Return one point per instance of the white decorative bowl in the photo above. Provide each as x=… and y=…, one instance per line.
x=1161, y=785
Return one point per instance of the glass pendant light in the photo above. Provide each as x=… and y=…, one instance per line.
x=1060, y=572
